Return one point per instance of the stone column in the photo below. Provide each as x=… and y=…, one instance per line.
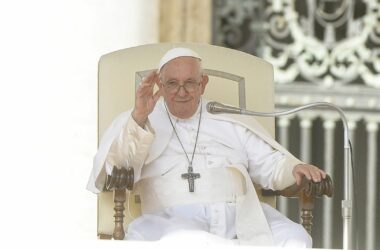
x=372, y=130
x=185, y=21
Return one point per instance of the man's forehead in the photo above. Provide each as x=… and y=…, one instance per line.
x=176, y=53
x=181, y=68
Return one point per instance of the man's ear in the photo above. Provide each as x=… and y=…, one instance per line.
x=205, y=79
x=204, y=82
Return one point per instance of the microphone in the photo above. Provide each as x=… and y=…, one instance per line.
x=218, y=108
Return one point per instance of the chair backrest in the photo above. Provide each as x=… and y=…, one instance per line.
x=236, y=78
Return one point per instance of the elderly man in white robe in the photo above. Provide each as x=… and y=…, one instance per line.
x=194, y=171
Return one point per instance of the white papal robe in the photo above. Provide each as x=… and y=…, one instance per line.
x=231, y=152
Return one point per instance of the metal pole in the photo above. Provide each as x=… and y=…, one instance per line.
x=215, y=107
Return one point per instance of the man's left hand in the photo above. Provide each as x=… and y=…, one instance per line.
x=309, y=171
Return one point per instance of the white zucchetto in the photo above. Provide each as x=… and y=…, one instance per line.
x=175, y=53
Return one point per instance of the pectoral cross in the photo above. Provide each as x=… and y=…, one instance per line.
x=190, y=176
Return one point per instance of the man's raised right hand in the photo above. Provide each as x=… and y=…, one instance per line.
x=145, y=99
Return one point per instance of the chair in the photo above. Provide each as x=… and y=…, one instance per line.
x=236, y=78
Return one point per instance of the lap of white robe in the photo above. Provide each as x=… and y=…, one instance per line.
x=191, y=224
x=195, y=237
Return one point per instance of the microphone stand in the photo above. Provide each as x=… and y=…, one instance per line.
x=215, y=107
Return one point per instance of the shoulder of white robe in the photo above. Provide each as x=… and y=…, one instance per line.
x=252, y=124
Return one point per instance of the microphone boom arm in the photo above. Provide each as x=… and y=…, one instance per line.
x=215, y=107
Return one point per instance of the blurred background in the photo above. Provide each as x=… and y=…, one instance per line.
x=322, y=50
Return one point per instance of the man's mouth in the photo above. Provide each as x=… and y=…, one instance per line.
x=184, y=100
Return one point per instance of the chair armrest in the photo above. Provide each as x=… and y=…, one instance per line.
x=307, y=187
x=120, y=178
x=306, y=192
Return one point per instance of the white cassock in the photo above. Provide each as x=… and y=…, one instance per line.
x=231, y=152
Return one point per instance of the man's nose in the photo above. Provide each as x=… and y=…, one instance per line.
x=182, y=91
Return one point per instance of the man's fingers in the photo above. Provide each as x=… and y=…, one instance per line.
x=150, y=78
x=148, y=82
x=156, y=78
x=157, y=95
x=323, y=174
x=314, y=173
x=306, y=173
x=146, y=88
x=310, y=172
x=318, y=174
x=298, y=179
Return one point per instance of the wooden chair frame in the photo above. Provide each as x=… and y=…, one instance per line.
x=122, y=180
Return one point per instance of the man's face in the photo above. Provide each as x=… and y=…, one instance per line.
x=182, y=85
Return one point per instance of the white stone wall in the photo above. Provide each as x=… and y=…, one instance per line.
x=48, y=101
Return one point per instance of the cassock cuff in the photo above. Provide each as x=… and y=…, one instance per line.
x=141, y=137
x=286, y=177
x=132, y=124
x=130, y=147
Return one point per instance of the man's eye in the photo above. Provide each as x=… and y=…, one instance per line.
x=171, y=83
x=190, y=83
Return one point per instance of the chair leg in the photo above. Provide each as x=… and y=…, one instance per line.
x=306, y=211
x=119, y=199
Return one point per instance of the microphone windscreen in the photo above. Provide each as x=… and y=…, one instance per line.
x=210, y=107
x=216, y=108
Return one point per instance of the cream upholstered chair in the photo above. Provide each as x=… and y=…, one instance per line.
x=236, y=78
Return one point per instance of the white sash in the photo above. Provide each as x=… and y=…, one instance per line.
x=229, y=184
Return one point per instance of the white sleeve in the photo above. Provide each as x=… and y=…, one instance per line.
x=131, y=147
x=124, y=144
x=268, y=167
